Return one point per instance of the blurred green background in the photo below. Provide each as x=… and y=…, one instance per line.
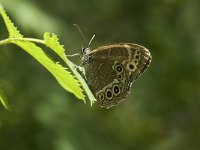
x=163, y=108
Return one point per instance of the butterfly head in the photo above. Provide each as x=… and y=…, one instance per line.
x=85, y=50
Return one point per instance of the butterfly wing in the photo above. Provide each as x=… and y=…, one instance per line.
x=111, y=69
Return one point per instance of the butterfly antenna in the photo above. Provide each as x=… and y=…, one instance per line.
x=81, y=33
x=91, y=40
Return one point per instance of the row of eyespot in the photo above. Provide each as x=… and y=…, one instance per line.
x=110, y=92
x=119, y=69
x=130, y=65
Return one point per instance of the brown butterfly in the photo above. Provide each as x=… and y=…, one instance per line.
x=111, y=69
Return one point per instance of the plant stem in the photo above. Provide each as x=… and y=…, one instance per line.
x=6, y=41
x=30, y=40
x=11, y=40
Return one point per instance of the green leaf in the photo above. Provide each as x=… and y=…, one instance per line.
x=53, y=43
x=3, y=100
x=13, y=32
x=64, y=78
x=62, y=75
x=79, y=72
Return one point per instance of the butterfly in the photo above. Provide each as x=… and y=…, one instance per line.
x=111, y=69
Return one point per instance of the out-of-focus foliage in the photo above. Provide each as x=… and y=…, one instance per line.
x=162, y=110
x=3, y=100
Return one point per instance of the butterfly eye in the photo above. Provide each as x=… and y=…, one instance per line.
x=83, y=49
x=116, y=90
x=109, y=94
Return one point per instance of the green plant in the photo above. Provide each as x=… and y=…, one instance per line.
x=72, y=83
